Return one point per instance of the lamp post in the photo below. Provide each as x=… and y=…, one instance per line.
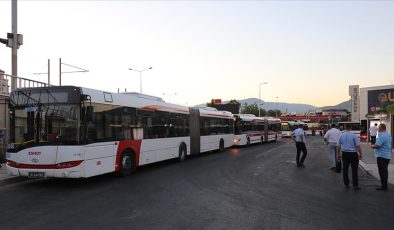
x=263, y=83
x=276, y=107
x=140, y=71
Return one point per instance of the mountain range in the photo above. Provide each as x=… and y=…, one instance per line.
x=291, y=107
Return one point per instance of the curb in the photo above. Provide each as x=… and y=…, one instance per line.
x=365, y=168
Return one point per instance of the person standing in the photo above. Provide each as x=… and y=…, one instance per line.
x=373, y=132
x=383, y=155
x=2, y=146
x=331, y=138
x=299, y=138
x=349, y=150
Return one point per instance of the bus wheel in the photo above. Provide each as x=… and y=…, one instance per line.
x=221, y=145
x=182, y=153
x=248, y=141
x=127, y=163
x=262, y=140
x=276, y=137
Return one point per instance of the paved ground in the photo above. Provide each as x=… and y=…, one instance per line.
x=368, y=164
x=258, y=187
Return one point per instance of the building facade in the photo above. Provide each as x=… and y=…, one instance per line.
x=372, y=103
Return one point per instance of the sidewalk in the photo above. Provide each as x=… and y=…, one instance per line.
x=3, y=173
x=368, y=163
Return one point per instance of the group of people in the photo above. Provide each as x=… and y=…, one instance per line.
x=344, y=147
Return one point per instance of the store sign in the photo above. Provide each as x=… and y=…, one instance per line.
x=355, y=101
x=377, y=99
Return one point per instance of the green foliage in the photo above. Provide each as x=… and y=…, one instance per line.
x=210, y=104
x=253, y=109
x=273, y=113
x=390, y=108
x=234, y=101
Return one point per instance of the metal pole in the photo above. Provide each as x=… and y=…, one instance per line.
x=140, y=81
x=14, y=44
x=60, y=71
x=49, y=72
x=259, y=98
x=276, y=107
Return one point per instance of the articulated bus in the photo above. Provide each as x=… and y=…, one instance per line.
x=250, y=129
x=75, y=132
x=356, y=128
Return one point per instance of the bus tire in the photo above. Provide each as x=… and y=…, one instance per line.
x=276, y=137
x=262, y=140
x=182, y=153
x=127, y=163
x=248, y=141
x=221, y=145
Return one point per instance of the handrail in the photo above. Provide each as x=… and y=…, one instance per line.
x=7, y=79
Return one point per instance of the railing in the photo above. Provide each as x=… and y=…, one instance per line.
x=6, y=80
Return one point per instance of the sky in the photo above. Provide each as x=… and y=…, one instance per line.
x=307, y=51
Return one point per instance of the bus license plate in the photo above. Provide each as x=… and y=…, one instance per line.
x=36, y=174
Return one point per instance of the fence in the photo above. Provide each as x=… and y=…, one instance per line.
x=6, y=81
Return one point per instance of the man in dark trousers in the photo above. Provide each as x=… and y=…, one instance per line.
x=383, y=155
x=348, y=148
x=373, y=132
x=299, y=138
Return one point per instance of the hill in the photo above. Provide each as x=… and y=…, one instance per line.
x=343, y=105
x=290, y=107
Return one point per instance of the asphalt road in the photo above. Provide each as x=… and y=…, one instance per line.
x=258, y=187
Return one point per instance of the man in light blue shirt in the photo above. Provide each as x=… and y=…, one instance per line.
x=348, y=148
x=299, y=138
x=383, y=155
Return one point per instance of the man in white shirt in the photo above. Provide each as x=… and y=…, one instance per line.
x=331, y=138
x=299, y=138
x=373, y=131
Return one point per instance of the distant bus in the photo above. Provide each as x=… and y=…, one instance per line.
x=355, y=127
x=75, y=132
x=250, y=129
x=287, y=128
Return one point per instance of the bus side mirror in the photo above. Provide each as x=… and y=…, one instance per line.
x=89, y=113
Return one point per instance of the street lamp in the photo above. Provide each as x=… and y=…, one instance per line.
x=276, y=107
x=140, y=71
x=263, y=83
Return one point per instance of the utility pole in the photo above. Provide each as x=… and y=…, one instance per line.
x=60, y=72
x=49, y=72
x=13, y=41
x=80, y=70
x=14, y=72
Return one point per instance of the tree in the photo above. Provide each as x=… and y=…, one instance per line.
x=274, y=113
x=210, y=104
x=390, y=108
x=253, y=109
x=233, y=101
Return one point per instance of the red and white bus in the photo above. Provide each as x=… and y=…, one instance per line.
x=354, y=127
x=75, y=132
x=250, y=129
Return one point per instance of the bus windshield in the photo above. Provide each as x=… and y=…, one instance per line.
x=43, y=117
